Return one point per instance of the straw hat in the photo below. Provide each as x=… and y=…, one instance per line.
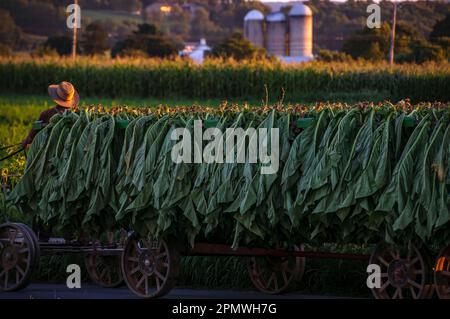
x=64, y=94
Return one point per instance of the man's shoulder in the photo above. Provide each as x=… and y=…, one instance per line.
x=47, y=114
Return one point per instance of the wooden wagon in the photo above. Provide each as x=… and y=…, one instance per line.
x=150, y=267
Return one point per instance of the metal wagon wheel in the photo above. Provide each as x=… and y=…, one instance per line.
x=149, y=268
x=405, y=272
x=273, y=275
x=104, y=270
x=18, y=256
x=442, y=274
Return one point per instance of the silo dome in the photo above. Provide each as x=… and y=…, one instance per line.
x=276, y=34
x=300, y=10
x=253, y=28
x=254, y=15
x=276, y=17
x=300, y=31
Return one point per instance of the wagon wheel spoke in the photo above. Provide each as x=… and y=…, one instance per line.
x=414, y=261
x=134, y=270
x=24, y=250
x=158, y=285
x=415, y=284
x=161, y=255
x=103, y=273
x=158, y=274
x=12, y=237
x=133, y=259
x=20, y=270
x=141, y=281
x=385, y=285
x=159, y=248
x=285, y=278
x=408, y=255
x=276, y=282
x=395, y=253
x=413, y=293
x=146, y=285
x=383, y=261
x=397, y=293
x=271, y=278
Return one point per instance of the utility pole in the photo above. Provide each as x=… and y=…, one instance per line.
x=75, y=27
x=394, y=22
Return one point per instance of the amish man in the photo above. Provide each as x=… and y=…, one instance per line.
x=66, y=98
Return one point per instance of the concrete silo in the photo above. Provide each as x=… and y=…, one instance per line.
x=276, y=34
x=300, y=31
x=253, y=27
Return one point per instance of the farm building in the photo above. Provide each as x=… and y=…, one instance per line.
x=290, y=37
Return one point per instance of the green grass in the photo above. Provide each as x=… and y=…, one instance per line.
x=115, y=16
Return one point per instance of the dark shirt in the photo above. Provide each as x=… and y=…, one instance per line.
x=44, y=118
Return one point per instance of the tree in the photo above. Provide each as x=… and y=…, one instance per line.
x=178, y=22
x=147, y=39
x=95, y=39
x=422, y=51
x=333, y=56
x=237, y=47
x=441, y=29
x=5, y=50
x=370, y=44
x=37, y=17
x=62, y=44
x=202, y=26
x=10, y=33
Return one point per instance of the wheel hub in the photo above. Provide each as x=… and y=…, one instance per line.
x=147, y=263
x=398, y=273
x=9, y=257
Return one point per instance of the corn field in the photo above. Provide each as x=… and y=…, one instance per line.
x=258, y=80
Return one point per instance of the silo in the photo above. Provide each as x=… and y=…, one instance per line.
x=253, y=27
x=300, y=31
x=276, y=34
